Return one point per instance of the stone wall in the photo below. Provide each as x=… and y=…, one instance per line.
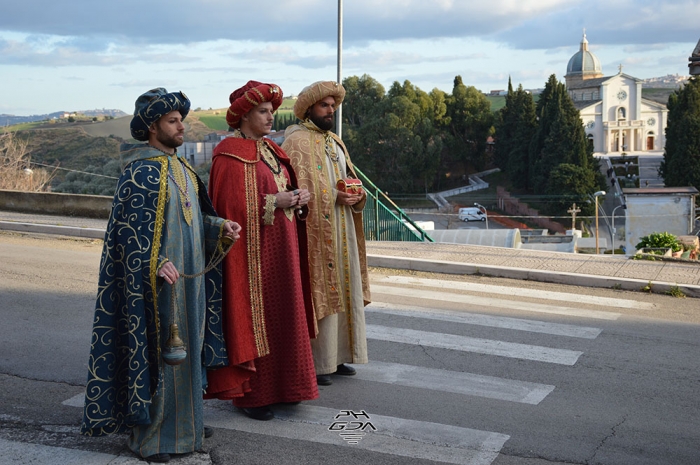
x=51, y=203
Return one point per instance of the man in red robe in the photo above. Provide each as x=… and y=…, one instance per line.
x=268, y=310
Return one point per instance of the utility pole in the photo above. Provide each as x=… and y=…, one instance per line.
x=596, y=195
x=339, y=111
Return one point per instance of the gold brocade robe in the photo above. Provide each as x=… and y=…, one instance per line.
x=306, y=150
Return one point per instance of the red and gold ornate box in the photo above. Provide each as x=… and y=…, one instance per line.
x=350, y=185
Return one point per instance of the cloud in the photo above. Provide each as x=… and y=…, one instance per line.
x=541, y=24
x=608, y=23
x=47, y=51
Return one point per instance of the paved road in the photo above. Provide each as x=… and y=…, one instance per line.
x=464, y=370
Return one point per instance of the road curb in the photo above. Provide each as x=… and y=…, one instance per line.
x=87, y=233
x=431, y=266
x=586, y=280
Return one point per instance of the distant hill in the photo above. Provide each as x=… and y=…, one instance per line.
x=658, y=95
x=10, y=120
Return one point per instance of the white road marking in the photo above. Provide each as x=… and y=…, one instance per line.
x=77, y=400
x=491, y=302
x=476, y=345
x=469, y=384
x=518, y=291
x=517, y=324
x=395, y=436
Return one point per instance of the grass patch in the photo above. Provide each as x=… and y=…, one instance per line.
x=407, y=202
x=675, y=291
x=659, y=95
x=22, y=126
x=217, y=123
x=486, y=197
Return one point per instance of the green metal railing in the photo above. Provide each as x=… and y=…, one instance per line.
x=387, y=223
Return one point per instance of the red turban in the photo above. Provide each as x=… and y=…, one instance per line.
x=250, y=96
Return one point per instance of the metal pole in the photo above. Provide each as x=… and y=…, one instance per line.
x=596, y=225
x=339, y=111
x=486, y=216
x=614, y=231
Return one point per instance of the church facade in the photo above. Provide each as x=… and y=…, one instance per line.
x=616, y=116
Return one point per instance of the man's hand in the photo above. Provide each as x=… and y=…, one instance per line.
x=233, y=230
x=345, y=198
x=169, y=273
x=293, y=198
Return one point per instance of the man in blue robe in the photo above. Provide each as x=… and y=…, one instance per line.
x=162, y=226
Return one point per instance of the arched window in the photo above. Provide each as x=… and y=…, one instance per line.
x=621, y=114
x=590, y=141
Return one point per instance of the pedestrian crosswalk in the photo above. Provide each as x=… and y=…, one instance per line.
x=563, y=327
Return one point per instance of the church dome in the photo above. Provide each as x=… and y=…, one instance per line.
x=584, y=63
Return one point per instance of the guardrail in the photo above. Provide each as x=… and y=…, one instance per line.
x=382, y=223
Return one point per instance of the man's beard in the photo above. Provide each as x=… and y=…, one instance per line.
x=322, y=123
x=168, y=141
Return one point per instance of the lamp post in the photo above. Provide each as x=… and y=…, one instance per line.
x=614, y=231
x=596, y=195
x=485, y=214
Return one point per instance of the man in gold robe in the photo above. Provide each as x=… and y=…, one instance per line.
x=336, y=241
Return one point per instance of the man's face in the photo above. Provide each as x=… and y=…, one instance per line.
x=169, y=130
x=258, y=121
x=322, y=113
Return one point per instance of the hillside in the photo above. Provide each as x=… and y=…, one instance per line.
x=658, y=95
x=69, y=147
x=10, y=120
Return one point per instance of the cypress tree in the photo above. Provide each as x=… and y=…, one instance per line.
x=560, y=139
x=517, y=124
x=681, y=164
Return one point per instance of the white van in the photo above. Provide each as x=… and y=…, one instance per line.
x=471, y=214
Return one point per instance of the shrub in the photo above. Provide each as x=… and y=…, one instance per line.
x=663, y=240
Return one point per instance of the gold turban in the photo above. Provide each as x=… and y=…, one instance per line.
x=315, y=92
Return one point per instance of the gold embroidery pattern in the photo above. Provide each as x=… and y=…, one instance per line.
x=269, y=208
x=183, y=180
x=254, y=272
x=333, y=156
x=281, y=181
x=157, y=236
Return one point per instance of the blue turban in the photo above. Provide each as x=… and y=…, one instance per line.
x=152, y=106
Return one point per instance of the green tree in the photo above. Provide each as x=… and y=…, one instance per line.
x=569, y=184
x=681, y=164
x=471, y=122
x=394, y=138
x=362, y=95
x=516, y=124
x=560, y=138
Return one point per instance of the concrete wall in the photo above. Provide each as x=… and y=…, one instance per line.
x=51, y=203
x=657, y=213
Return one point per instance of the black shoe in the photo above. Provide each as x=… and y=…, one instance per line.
x=158, y=458
x=208, y=432
x=324, y=380
x=259, y=413
x=345, y=370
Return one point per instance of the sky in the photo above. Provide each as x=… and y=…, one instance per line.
x=89, y=54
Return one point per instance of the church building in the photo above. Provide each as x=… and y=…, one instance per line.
x=616, y=116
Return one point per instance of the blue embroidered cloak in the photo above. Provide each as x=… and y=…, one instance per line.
x=125, y=369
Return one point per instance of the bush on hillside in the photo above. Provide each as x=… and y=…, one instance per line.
x=16, y=172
